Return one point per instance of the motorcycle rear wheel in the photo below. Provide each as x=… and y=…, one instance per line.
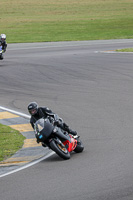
x=79, y=148
x=60, y=150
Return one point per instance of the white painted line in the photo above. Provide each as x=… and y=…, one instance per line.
x=15, y=112
x=116, y=52
x=28, y=165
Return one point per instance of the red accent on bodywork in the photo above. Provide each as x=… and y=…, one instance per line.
x=70, y=145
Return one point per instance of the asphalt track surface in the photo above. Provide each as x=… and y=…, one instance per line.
x=91, y=88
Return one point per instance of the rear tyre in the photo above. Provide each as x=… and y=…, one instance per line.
x=79, y=148
x=60, y=150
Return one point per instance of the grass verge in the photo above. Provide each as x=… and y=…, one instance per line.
x=61, y=20
x=125, y=50
x=10, y=141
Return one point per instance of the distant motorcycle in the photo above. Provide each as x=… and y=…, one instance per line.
x=56, y=139
x=1, y=53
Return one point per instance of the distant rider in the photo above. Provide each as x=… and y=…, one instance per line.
x=3, y=42
x=44, y=112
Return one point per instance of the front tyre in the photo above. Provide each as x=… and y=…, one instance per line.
x=60, y=150
x=1, y=57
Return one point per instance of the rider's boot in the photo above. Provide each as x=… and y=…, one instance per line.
x=74, y=133
x=65, y=127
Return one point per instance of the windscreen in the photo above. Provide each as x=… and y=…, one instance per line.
x=39, y=125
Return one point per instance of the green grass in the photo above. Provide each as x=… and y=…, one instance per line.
x=125, y=50
x=10, y=141
x=66, y=20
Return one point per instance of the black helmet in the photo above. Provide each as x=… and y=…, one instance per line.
x=33, y=108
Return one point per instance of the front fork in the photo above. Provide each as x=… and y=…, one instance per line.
x=57, y=140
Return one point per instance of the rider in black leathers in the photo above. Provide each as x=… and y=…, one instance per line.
x=43, y=112
x=3, y=42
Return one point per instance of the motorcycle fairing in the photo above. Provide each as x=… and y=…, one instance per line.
x=70, y=145
x=43, y=129
x=61, y=135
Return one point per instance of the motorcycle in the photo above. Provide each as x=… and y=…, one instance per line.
x=58, y=140
x=1, y=53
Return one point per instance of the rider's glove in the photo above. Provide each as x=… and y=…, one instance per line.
x=50, y=119
x=58, y=122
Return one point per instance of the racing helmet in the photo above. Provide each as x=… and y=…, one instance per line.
x=33, y=108
x=2, y=37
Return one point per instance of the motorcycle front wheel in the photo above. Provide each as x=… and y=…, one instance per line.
x=60, y=150
x=1, y=57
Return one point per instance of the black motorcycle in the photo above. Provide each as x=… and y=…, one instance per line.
x=56, y=139
x=1, y=53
